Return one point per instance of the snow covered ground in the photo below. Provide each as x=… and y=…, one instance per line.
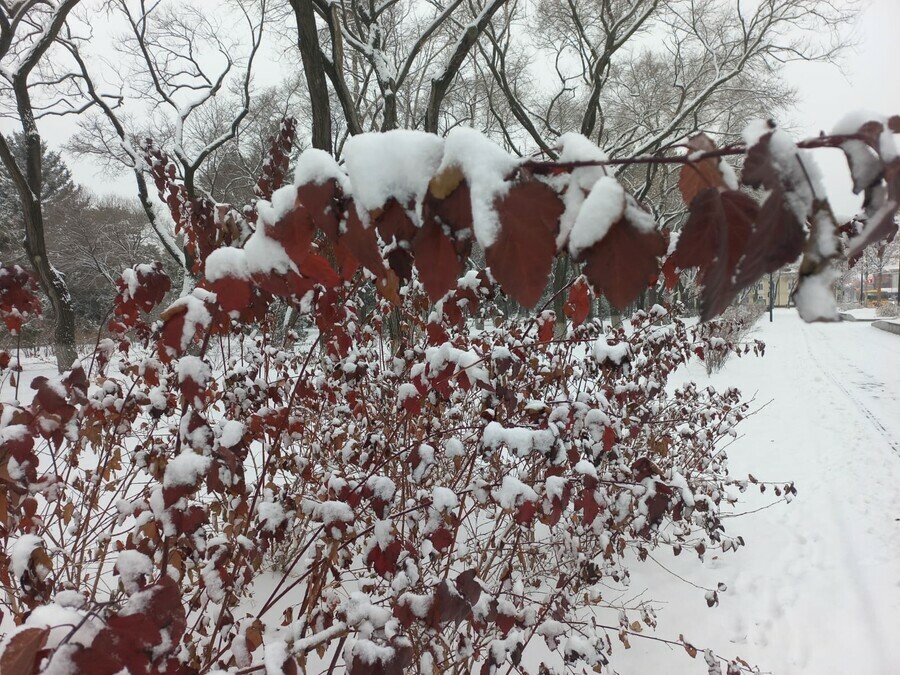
x=817, y=587
x=862, y=314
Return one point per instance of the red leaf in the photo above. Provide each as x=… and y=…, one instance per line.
x=441, y=538
x=317, y=268
x=18, y=301
x=715, y=239
x=467, y=586
x=883, y=226
x=623, y=262
x=133, y=639
x=448, y=605
x=322, y=203
x=587, y=503
x=546, y=326
x=609, y=438
x=396, y=230
x=21, y=651
x=505, y=622
x=759, y=170
x=705, y=173
x=578, y=304
x=436, y=259
x=145, y=288
x=363, y=244
x=670, y=273
x=398, y=662
x=522, y=256
x=525, y=512
x=385, y=560
x=232, y=294
x=294, y=232
x=346, y=263
x=438, y=247
x=776, y=239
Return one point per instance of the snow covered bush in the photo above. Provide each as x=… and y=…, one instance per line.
x=203, y=495
x=442, y=507
x=734, y=325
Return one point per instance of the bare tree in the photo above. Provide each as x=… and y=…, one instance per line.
x=183, y=61
x=92, y=240
x=390, y=64
x=27, y=32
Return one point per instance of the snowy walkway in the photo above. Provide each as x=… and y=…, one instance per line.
x=817, y=587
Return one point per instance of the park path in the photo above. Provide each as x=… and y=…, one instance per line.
x=817, y=587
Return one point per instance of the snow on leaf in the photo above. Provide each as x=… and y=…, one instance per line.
x=604, y=207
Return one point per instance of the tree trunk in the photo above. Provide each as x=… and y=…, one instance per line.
x=28, y=185
x=314, y=68
x=561, y=270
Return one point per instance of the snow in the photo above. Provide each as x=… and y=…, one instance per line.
x=486, y=167
x=603, y=351
x=131, y=566
x=186, y=469
x=586, y=468
x=372, y=653
x=601, y=209
x=265, y=255
x=194, y=368
x=852, y=121
x=574, y=147
x=469, y=362
x=382, y=487
x=861, y=314
x=754, y=130
x=453, y=447
x=232, y=434
x=512, y=492
x=520, y=440
x=798, y=169
x=271, y=515
x=195, y=314
x=396, y=164
x=406, y=391
x=61, y=619
x=332, y=512
x=227, y=262
x=814, y=297
x=20, y=553
x=815, y=589
x=317, y=166
x=283, y=200
x=276, y=653
x=444, y=499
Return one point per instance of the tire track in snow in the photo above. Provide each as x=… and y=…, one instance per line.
x=875, y=423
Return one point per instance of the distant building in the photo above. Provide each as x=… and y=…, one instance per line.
x=784, y=281
x=887, y=279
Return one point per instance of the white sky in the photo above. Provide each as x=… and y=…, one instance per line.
x=827, y=92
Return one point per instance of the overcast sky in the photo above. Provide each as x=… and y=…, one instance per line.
x=827, y=92
x=864, y=82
